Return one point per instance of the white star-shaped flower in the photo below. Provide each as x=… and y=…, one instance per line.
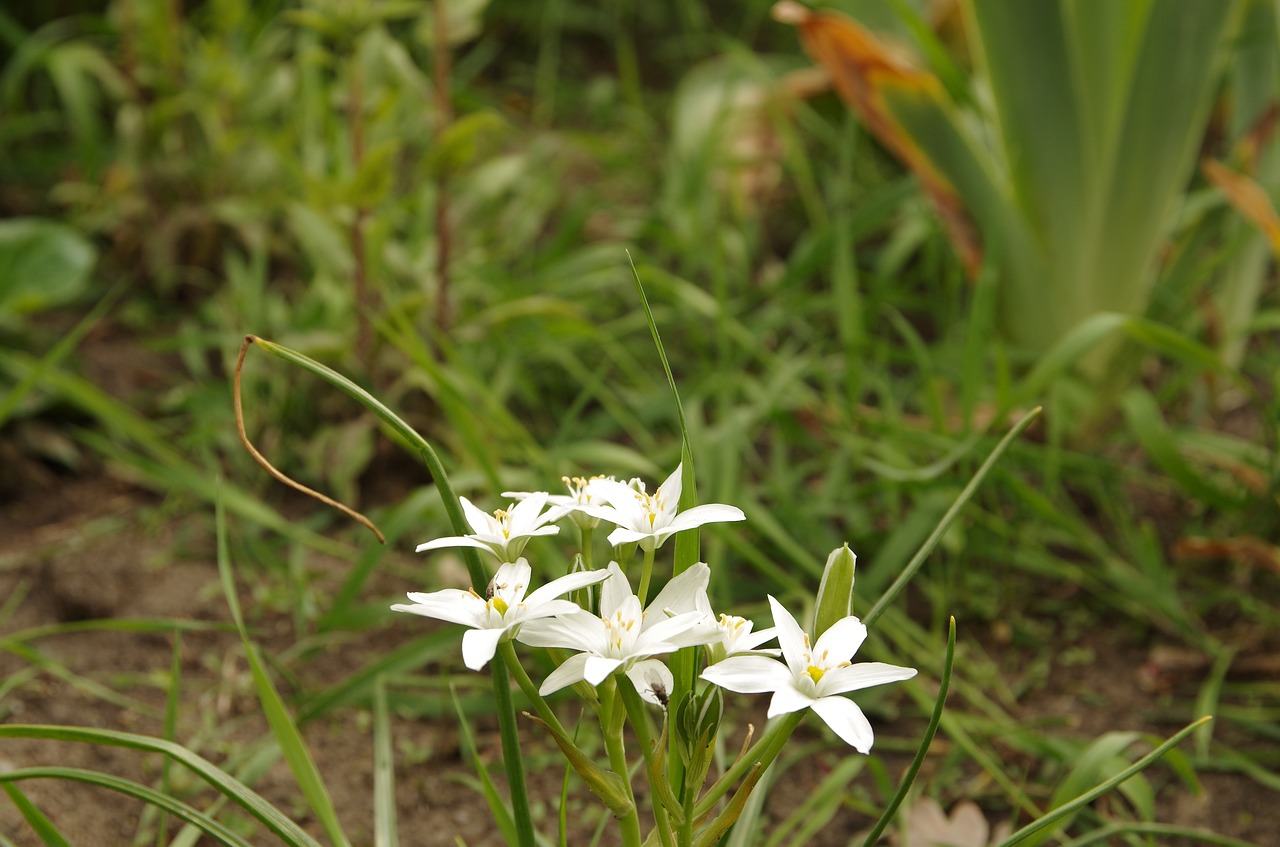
x=623, y=637
x=812, y=677
x=571, y=504
x=650, y=519
x=504, y=533
x=503, y=609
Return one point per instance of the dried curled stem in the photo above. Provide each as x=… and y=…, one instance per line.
x=270, y=468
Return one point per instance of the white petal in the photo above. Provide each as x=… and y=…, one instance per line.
x=791, y=638
x=467, y=610
x=565, y=584
x=788, y=699
x=672, y=629
x=704, y=514
x=511, y=575
x=598, y=668
x=453, y=541
x=749, y=674
x=576, y=631
x=479, y=645
x=847, y=720
x=672, y=486
x=841, y=640
x=524, y=516
x=651, y=678
x=567, y=674
x=753, y=640
x=862, y=675
x=481, y=522
x=621, y=497
x=684, y=593
x=614, y=591
x=547, y=609
x=623, y=535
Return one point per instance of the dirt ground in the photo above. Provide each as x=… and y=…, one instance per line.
x=95, y=547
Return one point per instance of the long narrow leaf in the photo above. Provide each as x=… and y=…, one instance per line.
x=237, y=791
x=1068, y=809
x=159, y=799
x=281, y=722
x=934, y=537
x=31, y=813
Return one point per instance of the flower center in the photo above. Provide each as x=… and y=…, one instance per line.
x=499, y=605
x=816, y=673
x=504, y=522
x=618, y=631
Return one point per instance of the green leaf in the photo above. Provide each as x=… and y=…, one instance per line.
x=835, y=592
x=36, y=819
x=42, y=264
x=281, y=722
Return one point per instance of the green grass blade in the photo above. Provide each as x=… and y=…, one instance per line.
x=926, y=740
x=934, y=537
x=385, y=830
x=1068, y=809
x=424, y=449
x=159, y=799
x=36, y=819
x=238, y=792
x=283, y=727
x=497, y=804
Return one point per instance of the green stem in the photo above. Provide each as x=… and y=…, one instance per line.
x=763, y=751
x=511, y=758
x=638, y=717
x=646, y=573
x=612, y=723
x=530, y=690
x=587, y=533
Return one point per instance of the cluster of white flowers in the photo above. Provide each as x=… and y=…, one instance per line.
x=622, y=634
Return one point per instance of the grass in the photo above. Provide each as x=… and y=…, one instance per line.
x=840, y=381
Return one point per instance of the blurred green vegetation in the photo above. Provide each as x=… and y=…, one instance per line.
x=439, y=199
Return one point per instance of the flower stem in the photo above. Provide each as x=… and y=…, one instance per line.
x=511, y=758
x=526, y=685
x=587, y=533
x=612, y=722
x=646, y=572
x=763, y=751
x=639, y=719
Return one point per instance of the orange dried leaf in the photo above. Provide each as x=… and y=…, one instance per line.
x=1249, y=199
x=863, y=69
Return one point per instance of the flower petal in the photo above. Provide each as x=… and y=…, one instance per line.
x=862, y=675
x=791, y=638
x=788, y=699
x=479, y=645
x=567, y=674
x=749, y=674
x=672, y=486
x=653, y=681
x=453, y=541
x=704, y=514
x=684, y=593
x=682, y=631
x=847, y=721
x=465, y=610
x=563, y=585
x=525, y=514
x=598, y=668
x=842, y=640
x=576, y=631
x=614, y=591
x=480, y=521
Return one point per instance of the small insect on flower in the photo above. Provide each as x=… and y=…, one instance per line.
x=659, y=692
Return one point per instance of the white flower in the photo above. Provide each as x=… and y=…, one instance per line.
x=622, y=638
x=812, y=677
x=650, y=519
x=726, y=635
x=580, y=494
x=503, y=608
x=506, y=533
